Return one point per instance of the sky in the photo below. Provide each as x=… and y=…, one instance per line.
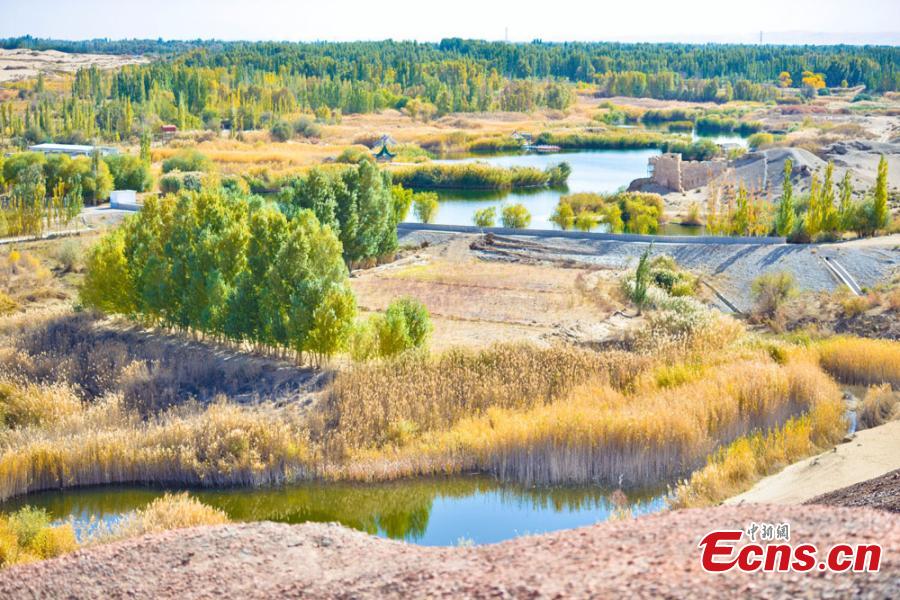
x=782, y=21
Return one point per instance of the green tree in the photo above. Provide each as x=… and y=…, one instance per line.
x=425, y=205
x=129, y=172
x=563, y=216
x=145, y=148
x=332, y=323
x=107, y=284
x=829, y=215
x=642, y=280
x=786, y=216
x=485, y=217
x=845, y=212
x=880, y=207
x=515, y=216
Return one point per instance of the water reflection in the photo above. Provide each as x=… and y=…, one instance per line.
x=431, y=511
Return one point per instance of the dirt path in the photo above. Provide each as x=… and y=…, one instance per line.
x=872, y=453
x=654, y=556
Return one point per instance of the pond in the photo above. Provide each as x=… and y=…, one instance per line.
x=427, y=511
x=592, y=171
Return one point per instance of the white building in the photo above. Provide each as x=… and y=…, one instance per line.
x=124, y=200
x=72, y=149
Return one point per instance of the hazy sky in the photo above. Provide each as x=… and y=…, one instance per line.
x=556, y=20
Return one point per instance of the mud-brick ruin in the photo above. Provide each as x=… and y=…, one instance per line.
x=670, y=171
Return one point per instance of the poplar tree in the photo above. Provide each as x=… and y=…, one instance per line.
x=785, y=219
x=880, y=208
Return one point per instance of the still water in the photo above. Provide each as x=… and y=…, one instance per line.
x=592, y=171
x=428, y=511
x=601, y=171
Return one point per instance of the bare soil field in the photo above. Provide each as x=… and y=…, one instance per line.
x=651, y=557
x=475, y=302
x=19, y=64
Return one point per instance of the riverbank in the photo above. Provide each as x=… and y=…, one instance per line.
x=653, y=556
x=869, y=454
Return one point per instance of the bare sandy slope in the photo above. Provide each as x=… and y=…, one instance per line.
x=24, y=64
x=871, y=454
x=651, y=557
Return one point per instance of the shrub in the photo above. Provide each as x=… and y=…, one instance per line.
x=693, y=216
x=186, y=160
x=879, y=406
x=515, y=216
x=771, y=291
x=54, y=541
x=171, y=511
x=174, y=182
x=425, y=206
x=308, y=128
x=355, y=155
x=485, y=217
x=27, y=535
x=7, y=304
x=563, y=216
x=405, y=325
x=558, y=175
x=69, y=255
x=759, y=140
x=281, y=131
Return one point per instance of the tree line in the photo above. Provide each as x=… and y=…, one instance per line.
x=246, y=270
x=243, y=86
x=827, y=211
x=406, y=62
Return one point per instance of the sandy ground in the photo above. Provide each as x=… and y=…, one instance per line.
x=651, y=557
x=872, y=453
x=21, y=63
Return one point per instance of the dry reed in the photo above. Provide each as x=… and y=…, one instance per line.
x=861, y=361
x=598, y=434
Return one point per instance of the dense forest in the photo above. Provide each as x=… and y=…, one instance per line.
x=244, y=85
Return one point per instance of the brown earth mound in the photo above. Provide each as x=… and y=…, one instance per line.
x=655, y=556
x=882, y=493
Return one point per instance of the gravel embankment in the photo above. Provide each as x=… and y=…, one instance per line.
x=731, y=268
x=881, y=492
x=652, y=557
